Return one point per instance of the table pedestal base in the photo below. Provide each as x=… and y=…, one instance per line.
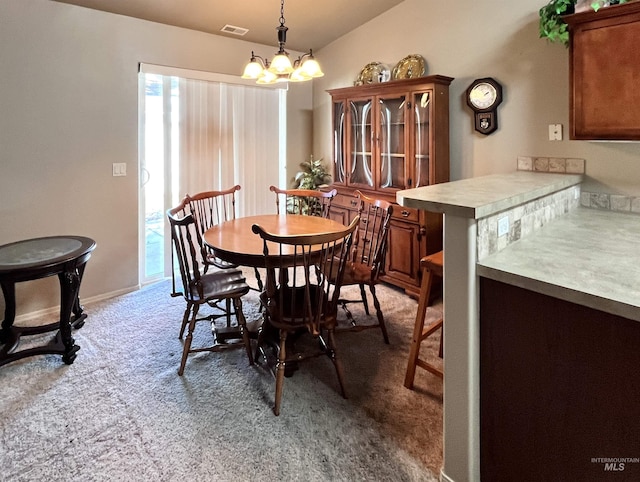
x=229, y=334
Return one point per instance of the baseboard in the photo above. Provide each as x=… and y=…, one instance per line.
x=444, y=477
x=54, y=310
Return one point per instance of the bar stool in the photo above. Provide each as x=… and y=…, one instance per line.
x=431, y=265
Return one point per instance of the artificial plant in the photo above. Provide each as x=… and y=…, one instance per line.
x=312, y=175
x=553, y=27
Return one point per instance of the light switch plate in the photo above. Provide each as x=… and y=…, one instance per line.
x=119, y=168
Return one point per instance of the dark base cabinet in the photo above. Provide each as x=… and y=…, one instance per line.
x=559, y=389
x=412, y=235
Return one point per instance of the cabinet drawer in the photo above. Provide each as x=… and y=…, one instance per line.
x=345, y=201
x=340, y=214
x=406, y=214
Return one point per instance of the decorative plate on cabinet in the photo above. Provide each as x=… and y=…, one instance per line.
x=373, y=73
x=410, y=67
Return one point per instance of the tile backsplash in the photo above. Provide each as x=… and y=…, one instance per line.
x=551, y=164
x=594, y=200
x=523, y=220
x=611, y=202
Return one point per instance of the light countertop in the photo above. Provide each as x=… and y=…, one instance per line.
x=479, y=197
x=588, y=256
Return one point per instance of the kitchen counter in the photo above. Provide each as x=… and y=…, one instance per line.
x=480, y=197
x=589, y=257
x=472, y=211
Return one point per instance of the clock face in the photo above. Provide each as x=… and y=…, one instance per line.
x=483, y=95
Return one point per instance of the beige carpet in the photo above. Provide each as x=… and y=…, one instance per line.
x=121, y=412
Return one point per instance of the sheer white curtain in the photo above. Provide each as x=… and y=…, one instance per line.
x=229, y=134
x=258, y=150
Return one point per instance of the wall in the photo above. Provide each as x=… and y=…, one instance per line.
x=68, y=98
x=468, y=39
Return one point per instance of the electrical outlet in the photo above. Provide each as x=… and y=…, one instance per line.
x=555, y=132
x=503, y=226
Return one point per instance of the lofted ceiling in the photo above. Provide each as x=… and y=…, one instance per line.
x=312, y=23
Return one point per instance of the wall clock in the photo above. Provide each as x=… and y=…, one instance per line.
x=484, y=96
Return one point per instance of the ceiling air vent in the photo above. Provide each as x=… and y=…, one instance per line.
x=232, y=29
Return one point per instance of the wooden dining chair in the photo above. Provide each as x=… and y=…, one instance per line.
x=368, y=258
x=204, y=288
x=181, y=210
x=298, y=297
x=210, y=208
x=304, y=201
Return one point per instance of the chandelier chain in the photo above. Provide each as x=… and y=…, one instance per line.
x=282, y=13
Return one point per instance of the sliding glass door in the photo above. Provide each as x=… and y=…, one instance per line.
x=198, y=135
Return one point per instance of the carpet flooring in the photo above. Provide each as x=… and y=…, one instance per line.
x=120, y=412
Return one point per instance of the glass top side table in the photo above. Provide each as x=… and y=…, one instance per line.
x=30, y=259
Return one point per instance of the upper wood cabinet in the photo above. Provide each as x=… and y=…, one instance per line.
x=605, y=73
x=392, y=135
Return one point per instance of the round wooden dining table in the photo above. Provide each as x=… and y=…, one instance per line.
x=235, y=242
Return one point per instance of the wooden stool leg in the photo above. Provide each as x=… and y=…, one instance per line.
x=423, y=303
x=431, y=329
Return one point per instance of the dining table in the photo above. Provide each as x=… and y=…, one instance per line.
x=235, y=242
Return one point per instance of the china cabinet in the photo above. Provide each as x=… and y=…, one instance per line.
x=387, y=137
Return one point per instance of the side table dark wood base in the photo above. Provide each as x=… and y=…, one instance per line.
x=11, y=340
x=64, y=256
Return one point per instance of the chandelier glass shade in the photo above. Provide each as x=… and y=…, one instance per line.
x=281, y=69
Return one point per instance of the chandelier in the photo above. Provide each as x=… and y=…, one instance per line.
x=280, y=69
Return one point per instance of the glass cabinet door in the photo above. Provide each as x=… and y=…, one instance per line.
x=339, y=160
x=421, y=116
x=360, y=143
x=391, y=117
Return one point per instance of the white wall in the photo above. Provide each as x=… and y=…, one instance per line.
x=69, y=109
x=469, y=39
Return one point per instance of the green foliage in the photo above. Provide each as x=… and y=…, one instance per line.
x=553, y=28
x=312, y=174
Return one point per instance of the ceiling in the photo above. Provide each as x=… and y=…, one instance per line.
x=312, y=23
